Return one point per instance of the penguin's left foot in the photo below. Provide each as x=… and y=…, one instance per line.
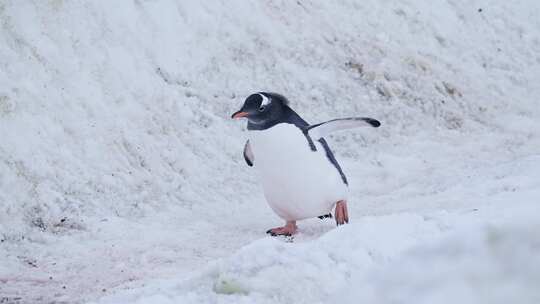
x=287, y=230
x=341, y=213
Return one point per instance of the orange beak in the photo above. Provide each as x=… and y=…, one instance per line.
x=239, y=115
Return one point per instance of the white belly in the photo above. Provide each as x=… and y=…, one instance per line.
x=298, y=183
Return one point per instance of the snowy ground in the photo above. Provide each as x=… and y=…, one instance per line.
x=486, y=252
x=122, y=179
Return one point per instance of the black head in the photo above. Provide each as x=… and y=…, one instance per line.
x=263, y=109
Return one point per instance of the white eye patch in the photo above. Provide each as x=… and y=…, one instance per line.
x=265, y=100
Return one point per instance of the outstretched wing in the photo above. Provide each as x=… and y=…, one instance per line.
x=324, y=128
x=248, y=154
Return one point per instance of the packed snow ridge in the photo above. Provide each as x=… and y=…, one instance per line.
x=122, y=178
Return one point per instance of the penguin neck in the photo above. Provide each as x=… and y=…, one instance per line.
x=288, y=116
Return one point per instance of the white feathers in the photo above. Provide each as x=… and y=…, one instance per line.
x=265, y=100
x=298, y=183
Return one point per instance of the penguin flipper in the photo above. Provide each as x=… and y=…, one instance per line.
x=248, y=154
x=324, y=128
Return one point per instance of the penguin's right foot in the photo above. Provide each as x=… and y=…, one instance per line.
x=341, y=213
x=287, y=230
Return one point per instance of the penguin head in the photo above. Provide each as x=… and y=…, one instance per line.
x=262, y=108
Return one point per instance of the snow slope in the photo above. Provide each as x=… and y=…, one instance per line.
x=119, y=163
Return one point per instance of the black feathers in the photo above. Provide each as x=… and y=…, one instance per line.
x=373, y=122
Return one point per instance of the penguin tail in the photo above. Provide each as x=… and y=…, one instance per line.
x=322, y=217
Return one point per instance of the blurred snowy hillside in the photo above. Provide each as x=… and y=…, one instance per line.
x=119, y=163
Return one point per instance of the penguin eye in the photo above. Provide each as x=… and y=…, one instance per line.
x=262, y=108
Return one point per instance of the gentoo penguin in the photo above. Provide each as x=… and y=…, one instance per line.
x=300, y=175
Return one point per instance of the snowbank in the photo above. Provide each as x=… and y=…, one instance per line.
x=484, y=255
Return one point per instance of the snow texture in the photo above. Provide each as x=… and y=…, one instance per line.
x=122, y=178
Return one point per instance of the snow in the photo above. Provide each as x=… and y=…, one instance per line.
x=488, y=254
x=122, y=177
